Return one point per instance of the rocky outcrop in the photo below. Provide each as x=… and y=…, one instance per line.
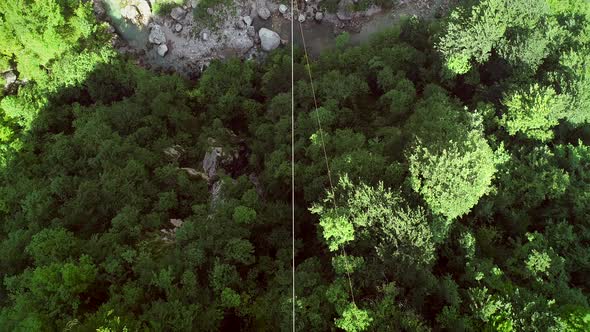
x=174, y=152
x=170, y=233
x=137, y=12
x=269, y=40
x=212, y=161
x=194, y=173
x=9, y=78
x=157, y=35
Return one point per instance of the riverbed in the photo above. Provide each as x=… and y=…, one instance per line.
x=189, y=53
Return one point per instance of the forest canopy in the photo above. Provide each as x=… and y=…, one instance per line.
x=459, y=196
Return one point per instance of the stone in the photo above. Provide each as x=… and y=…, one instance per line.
x=344, y=10
x=178, y=13
x=283, y=9
x=145, y=11
x=137, y=11
x=241, y=42
x=319, y=16
x=174, y=152
x=269, y=39
x=251, y=32
x=130, y=13
x=247, y=20
x=157, y=35
x=193, y=172
x=240, y=25
x=205, y=35
x=9, y=78
x=301, y=18
x=178, y=27
x=176, y=222
x=210, y=11
x=162, y=50
x=194, y=3
x=263, y=13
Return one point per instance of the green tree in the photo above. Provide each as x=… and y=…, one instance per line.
x=533, y=113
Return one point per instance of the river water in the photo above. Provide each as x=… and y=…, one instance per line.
x=322, y=36
x=136, y=37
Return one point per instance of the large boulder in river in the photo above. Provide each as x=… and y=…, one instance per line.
x=157, y=35
x=137, y=11
x=269, y=40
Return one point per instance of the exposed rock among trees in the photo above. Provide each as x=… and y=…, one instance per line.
x=9, y=78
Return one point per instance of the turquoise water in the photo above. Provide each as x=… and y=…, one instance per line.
x=137, y=37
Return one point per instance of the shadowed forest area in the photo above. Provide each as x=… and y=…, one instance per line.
x=459, y=149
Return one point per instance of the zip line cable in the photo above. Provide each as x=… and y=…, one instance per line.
x=319, y=122
x=293, y=163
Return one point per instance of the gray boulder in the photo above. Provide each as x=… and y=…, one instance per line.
x=205, y=35
x=137, y=11
x=319, y=16
x=250, y=31
x=157, y=35
x=162, y=50
x=263, y=13
x=178, y=13
x=269, y=39
x=241, y=42
x=283, y=9
x=247, y=20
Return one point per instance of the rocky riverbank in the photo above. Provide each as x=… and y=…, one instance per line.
x=183, y=40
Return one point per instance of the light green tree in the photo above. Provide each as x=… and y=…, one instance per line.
x=354, y=319
x=533, y=112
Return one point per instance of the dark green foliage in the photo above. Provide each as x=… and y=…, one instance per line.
x=460, y=202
